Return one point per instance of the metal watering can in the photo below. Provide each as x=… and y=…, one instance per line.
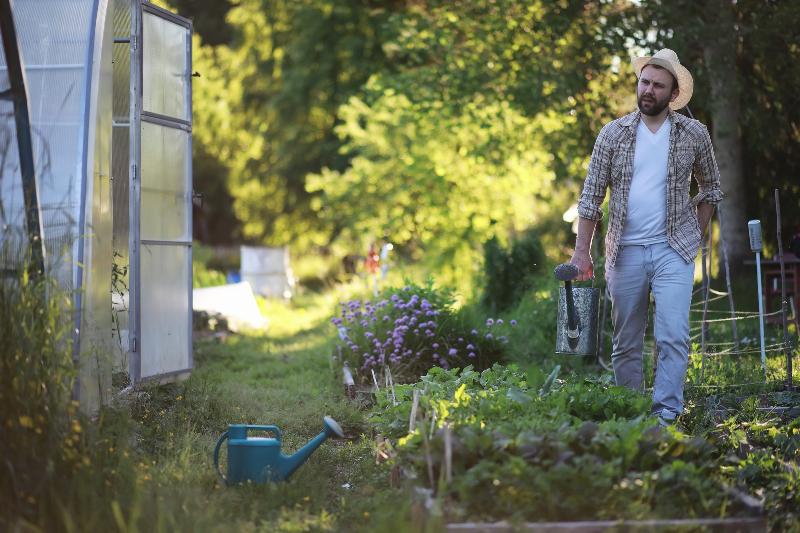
x=259, y=459
x=578, y=311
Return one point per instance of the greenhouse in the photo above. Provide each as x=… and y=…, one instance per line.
x=107, y=88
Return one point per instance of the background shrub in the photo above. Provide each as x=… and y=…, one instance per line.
x=509, y=273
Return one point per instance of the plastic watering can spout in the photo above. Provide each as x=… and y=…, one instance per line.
x=291, y=463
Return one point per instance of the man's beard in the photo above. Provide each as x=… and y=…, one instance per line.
x=652, y=107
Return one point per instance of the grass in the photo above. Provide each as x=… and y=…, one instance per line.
x=282, y=378
x=144, y=464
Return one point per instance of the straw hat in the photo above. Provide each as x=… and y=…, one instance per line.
x=668, y=59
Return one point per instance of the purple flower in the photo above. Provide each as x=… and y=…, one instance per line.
x=513, y=323
x=435, y=345
x=452, y=352
x=489, y=322
x=499, y=321
x=489, y=336
x=474, y=331
x=470, y=347
x=471, y=354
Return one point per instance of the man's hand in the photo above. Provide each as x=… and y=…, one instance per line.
x=582, y=257
x=583, y=260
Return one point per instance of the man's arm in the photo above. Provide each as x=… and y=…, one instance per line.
x=582, y=257
x=592, y=196
x=704, y=212
x=706, y=173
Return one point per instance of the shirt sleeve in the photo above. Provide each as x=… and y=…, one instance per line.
x=596, y=183
x=706, y=172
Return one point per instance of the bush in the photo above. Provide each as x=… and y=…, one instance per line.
x=39, y=428
x=413, y=329
x=509, y=274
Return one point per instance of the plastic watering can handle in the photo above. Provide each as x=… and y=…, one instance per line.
x=273, y=429
x=216, y=456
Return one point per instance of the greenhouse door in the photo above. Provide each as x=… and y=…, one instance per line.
x=161, y=195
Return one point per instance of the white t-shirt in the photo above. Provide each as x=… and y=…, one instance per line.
x=646, y=220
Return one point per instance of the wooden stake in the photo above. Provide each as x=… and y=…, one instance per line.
x=391, y=385
x=703, y=330
x=786, y=348
x=412, y=420
x=728, y=281
x=448, y=454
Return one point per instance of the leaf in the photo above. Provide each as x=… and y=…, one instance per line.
x=518, y=395
x=548, y=383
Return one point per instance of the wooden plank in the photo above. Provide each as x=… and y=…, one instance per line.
x=756, y=524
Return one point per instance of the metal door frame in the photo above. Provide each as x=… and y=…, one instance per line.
x=137, y=115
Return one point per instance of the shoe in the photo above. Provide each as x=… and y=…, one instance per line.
x=664, y=422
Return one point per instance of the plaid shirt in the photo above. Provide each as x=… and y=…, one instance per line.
x=611, y=165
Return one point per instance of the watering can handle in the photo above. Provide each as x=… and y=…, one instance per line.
x=273, y=429
x=216, y=455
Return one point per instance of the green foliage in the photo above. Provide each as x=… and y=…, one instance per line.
x=436, y=183
x=336, y=120
x=509, y=274
x=40, y=430
x=203, y=275
x=520, y=449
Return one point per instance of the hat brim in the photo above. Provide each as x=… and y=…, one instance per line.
x=685, y=80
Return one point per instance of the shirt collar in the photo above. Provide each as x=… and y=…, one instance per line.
x=632, y=119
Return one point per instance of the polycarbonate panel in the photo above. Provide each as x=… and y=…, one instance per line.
x=53, y=37
x=120, y=284
x=122, y=77
x=121, y=17
x=53, y=32
x=4, y=84
x=166, y=184
x=164, y=75
x=165, y=281
x=120, y=157
x=12, y=220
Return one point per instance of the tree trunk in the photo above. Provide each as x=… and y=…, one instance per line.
x=720, y=57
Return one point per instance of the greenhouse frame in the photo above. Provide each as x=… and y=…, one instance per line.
x=108, y=90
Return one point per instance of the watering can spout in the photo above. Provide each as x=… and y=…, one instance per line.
x=295, y=461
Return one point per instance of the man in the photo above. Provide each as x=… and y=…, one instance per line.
x=647, y=159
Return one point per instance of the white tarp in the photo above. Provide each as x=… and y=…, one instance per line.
x=235, y=302
x=268, y=271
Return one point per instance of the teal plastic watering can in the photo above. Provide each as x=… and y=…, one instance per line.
x=259, y=459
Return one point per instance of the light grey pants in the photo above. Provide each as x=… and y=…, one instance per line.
x=638, y=270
